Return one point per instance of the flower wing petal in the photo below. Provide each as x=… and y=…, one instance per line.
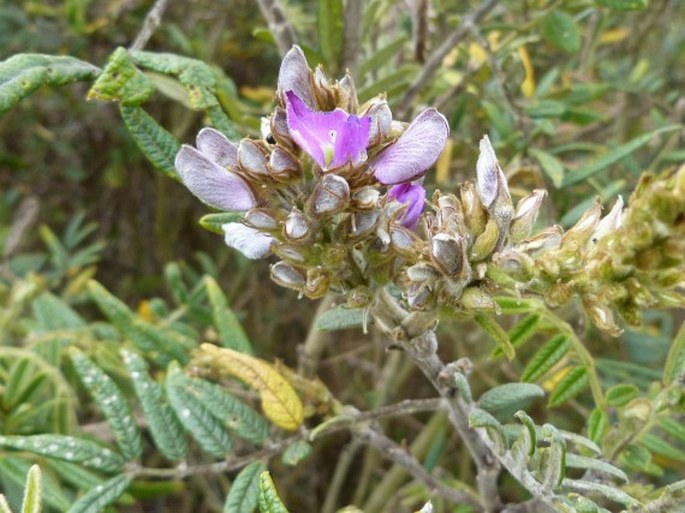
x=214, y=185
x=414, y=197
x=249, y=241
x=415, y=151
x=217, y=147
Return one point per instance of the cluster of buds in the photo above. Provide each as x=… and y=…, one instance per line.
x=326, y=188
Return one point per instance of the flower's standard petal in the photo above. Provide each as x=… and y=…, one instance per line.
x=414, y=197
x=217, y=147
x=415, y=151
x=294, y=75
x=489, y=175
x=214, y=185
x=249, y=241
x=330, y=138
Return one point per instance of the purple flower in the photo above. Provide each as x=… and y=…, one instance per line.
x=413, y=195
x=333, y=138
x=208, y=172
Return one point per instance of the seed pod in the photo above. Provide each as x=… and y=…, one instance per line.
x=252, y=158
x=486, y=242
x=296, y=227
x=419, y=296
x=450, y=216
x=262, y=219
x=448, y=253
x=290, y=253
x=283, y=165
x=475, y=216
x=286, y=275
x=365, y=198
x=331, y=195
x=526, y=213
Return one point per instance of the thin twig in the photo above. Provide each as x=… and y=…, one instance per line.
x=278, y=23
x=152, y=21
x=435, y=60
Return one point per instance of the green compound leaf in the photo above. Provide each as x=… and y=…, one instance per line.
x=242, y=497
x=545, y=358
x=165, y=428
x=122, y=81
x=102, y=495
x=296, y=452
x=560, y=30
x=341, y=318
x=23, y=74
x=268, y=500
x=675, y=361
x=620, y=395
x=230, y=331
x=509, y=396
x=68, y=448
x=624, y=5
x=158, y=145
x=196, y=76
x=210, y=432
x=33, y=492
x=497, y=333
x=239, y=418
x=570, y=386
x=112, y=403
x=597, y=424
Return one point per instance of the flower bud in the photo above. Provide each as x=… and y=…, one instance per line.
x=363, y=223
x=279, y=129
x=610, y=222
x=486, y=242
x=448, y=253
x=473, y=298
x=365, y=198
x=526, y=213
x=403, y=240
x=286, y=275
x=546, y=240
x=331, y=195
x=579, y=234
x=296, y=227
x=261, y=219
x=359, y=297
x=283, y=165
x=381, y=119
x=318, y=282
x=422, y=272
x=475, y=215
x=290, y=253
x=419, y=296
x=252, y=158
x=492, y=188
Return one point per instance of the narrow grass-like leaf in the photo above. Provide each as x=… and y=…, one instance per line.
x=242, y=497
x=496, y=333
x=341, y=318
x=112, y=403
x=614, y=155
x=102, y=495
x=280, y=402
x=545, y=358
x=621, y=394
x=230, y=331
x=570, y=386
x=624, y=5
x=661, y=447
x=578, y=461
x=330, y=24
x=68, y=448
x=214, y=222
x=381, y=57
x=509, y=395
x=675, y=361
x=15, y=471
x=597, y=424
x=22, y=74
x=164, y=426
x=33, y=492
x=674, y=428
x=121, y=81
x=268, y=500
x=551, y=165
x=210, y=432
x=156, y=143
x=609, y=492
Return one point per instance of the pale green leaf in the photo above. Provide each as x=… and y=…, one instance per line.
x=560, y=30
x=296, y=452
x=102, y=495
x=674, y=367
x=545, y=358
x=551, y=165
x=242, y=497
x=33, y=492
x=340, y=318
x=268, y=500
x=214, y=222
x=624, y=5
x=570, y=386
x=509, y=396
x=230, y=331
x=122, y=81
x=578, y=461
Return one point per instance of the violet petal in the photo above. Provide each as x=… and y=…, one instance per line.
x=414, y=197
x=249, y=241
x=217, y=147
x=294, y=75
x=214, y=185
x=489, y=174
x=415, y=151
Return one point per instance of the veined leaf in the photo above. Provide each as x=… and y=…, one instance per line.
x=22, y=74
x=614, y=155
x=121, y=81
x=675, y=361
x=340, y=318
x=570, y=386
x=268, y=499
x=68, y=448
x=497, y=333
x=210, y=432
x=164, y=427
x=102, y=495
x=230, y=331
x=330, y=24
x=509, y=395
x=545, y=358
x=76, y=475
x=597, y=424
x=33, y=492
x=242, y=497
x=280, y=403
x=560, y=30
x=112, y=403
x=158, y=145
x=622, y=394
x=521, y=332
x=578, y=461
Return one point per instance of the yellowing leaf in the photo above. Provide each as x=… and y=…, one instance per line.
x=614, y=36
x=528, y=84
x=442, y=168
x=145, y=311
x=550, y=384
x=280, y=403
x=477, y=55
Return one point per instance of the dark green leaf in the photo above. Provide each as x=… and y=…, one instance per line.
x=242, y=497
x=597, y=424
x=570, y=386
x=102, y=495
x=624, y=5
x=381, y=57
x=560, y=30
x=545, y=358
x=330, y=24
x=231, y=333
x=620, y=395
x=121, y=81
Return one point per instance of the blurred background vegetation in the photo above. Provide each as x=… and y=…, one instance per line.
x=578, y=96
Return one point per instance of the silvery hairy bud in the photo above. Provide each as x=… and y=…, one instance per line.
x=359, y=297
x=283, y=165
x=348, y=94
x=296, y=255
x=448, y=253
x=296, y=227
x=473, y=298
x=545, y=240
x=579, y=234
x=450, y=215
x=279, y=129
x=602, y=317
x=403, y=240
x=252, y=158
x=610, y=222
x=317, y=284
x=261, y=219
x=286, y=275
x=331, y=195
x=419, y=296
x=475, y=215
x=492, y=187
x=381, y=119
x=526, y=213
x=364, y=223
x=422, y=272
x=365, y=198
x=486, y=242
